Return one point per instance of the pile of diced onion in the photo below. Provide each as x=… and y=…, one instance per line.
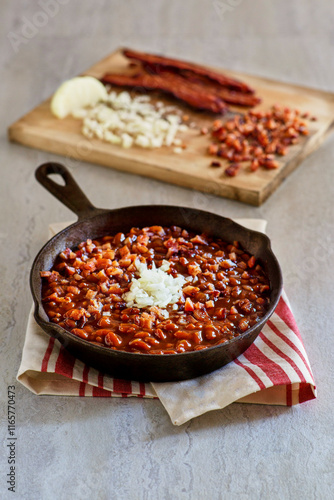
x=154, y=287
x=128, y=121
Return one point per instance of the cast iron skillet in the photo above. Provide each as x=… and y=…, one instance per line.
x=94, y=223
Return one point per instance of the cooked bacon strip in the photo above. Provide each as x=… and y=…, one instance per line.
x=201, y=83
x=237, y=98
x=192, y=94
x=155, y=61
x=229, y=96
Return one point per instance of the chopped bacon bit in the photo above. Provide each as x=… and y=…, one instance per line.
x=215, y=164
x=188, y=306
x=101, y=276
x=114, y=271
x=271, y=164
x=254, y=165
x=125, y=262
x=103, y=263
x=254, y=136
x=115, y=289
x=243, y=325
x=199, y=239
x=146, y=320
x=76, y=314
x=67, y=254
x=227, y=264
x=221, y=313
x=213, y=149
x=158, y=230
x=90, y=265
x=45, y=274
x=233, y=169
x=104, y=287
x=190, y=290
x=70, y=270
x=193, y=269
x=251, y=261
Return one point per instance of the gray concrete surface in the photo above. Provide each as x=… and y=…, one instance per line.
x=70, y=448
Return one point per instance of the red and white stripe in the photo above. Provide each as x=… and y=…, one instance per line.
x=91, y=382
x=277, y=359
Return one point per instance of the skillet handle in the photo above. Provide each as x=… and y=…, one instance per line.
x=70, y=194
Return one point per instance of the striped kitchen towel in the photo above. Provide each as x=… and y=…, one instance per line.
x=274, y=370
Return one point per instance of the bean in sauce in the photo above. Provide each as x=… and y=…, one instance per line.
x=226, y=292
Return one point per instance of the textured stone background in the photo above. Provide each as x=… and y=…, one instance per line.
x=128, y=449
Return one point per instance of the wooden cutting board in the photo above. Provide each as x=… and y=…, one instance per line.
x=40, y=129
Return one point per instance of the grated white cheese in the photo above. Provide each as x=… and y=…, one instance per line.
x=154, y=287
x=127, y=121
